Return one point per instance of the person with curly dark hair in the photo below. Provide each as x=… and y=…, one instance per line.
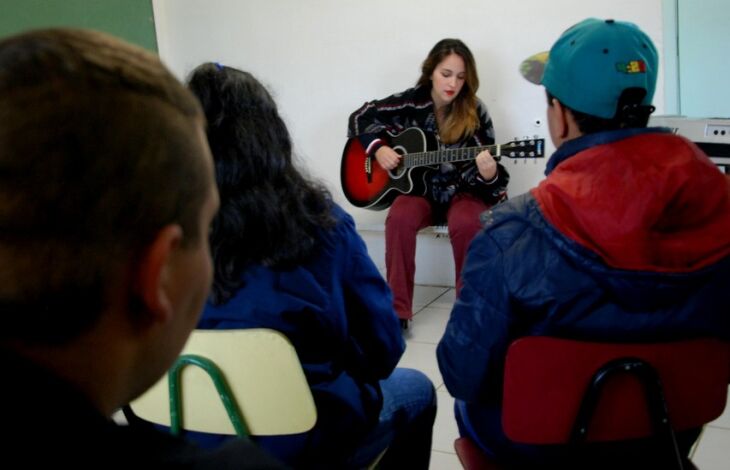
x=287, y=257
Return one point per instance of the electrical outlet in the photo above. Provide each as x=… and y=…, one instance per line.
x=717, y=130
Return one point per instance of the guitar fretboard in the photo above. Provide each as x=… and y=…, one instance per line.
x=511, y=150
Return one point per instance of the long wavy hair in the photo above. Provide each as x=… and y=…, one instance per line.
x=270, y=213
x=461, y=115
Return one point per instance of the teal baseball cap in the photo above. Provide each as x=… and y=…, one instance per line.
x=593, y=62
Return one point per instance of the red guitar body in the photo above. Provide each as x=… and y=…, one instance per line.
x=369, y=186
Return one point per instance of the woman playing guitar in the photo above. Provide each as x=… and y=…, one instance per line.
x=444, y=105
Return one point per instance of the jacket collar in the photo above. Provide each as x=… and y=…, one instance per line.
x=573, y=146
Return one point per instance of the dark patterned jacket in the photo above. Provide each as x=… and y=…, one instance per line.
x=372, y=122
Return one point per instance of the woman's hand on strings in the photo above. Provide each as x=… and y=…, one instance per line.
x=387, y=157
x=486, y=165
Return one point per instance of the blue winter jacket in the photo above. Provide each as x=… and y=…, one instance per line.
x=337, y=311
x=627, y=239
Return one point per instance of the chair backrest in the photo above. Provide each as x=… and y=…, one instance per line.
x=259, y=366
x=546, y=379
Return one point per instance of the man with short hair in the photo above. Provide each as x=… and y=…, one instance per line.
x=626, y=239
x=106, y=196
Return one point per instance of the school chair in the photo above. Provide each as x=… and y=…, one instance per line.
x=560, y=391
x=235, y=382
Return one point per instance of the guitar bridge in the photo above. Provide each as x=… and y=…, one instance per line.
x=369, y=169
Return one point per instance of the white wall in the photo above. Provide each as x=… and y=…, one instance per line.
x=322, y=59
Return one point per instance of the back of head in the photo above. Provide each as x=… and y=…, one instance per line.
x=602, y=69
x=97, y=153
x=269, y=212
x=245, y=132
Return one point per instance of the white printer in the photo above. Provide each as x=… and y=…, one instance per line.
x=712, y=135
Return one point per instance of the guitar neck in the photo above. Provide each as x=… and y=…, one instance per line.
x=435, y=157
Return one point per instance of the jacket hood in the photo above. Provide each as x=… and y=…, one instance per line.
x=651, y=201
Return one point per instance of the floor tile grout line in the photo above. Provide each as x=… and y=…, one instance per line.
x=440, y=295
x=434, y=307
x=423, y=307
x=443, y=452
x=715, y=426
x=421, y=342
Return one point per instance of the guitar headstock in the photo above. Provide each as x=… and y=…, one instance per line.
x=525, y=148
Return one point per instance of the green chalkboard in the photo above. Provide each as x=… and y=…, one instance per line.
x=132, y=20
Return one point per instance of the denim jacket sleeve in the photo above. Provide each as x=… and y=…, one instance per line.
x=471, y=352
x=375, y=337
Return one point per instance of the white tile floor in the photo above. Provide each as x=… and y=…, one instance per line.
x=432, y=306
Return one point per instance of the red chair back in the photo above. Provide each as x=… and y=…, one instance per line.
x=546, y=379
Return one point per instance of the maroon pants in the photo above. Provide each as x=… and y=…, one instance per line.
x=406, y=217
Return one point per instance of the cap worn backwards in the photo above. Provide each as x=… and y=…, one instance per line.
x=593, y=62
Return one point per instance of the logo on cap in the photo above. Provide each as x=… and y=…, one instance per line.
x=635, y=66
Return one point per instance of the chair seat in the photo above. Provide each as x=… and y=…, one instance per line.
x=265, y=377
x=546, y=381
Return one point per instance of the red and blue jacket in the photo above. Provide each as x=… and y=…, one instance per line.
x=626, y=239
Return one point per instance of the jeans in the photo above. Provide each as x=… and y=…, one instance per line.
x=404, y=429
x=405, y=425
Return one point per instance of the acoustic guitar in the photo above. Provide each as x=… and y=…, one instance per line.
x=369, y=186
